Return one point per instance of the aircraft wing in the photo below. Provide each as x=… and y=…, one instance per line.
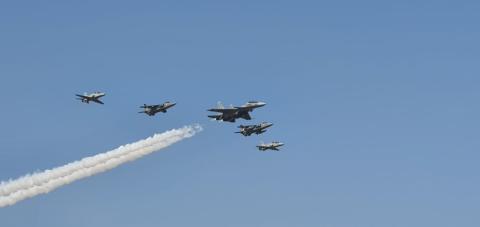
x=97, y=101
x=82, y=96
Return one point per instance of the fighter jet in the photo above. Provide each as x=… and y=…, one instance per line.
x=270, y=146
x=248, y=130
x=93, y=97
x=151, y=110
x=232, y=113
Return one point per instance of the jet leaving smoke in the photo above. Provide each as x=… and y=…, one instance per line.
x=31, y=185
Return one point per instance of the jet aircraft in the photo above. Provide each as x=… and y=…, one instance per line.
x=151, y=110
x=230, y=114
x=93, y=97
x=270, y=146
x=248, y=130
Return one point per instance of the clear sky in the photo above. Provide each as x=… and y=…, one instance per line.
x=377, y=102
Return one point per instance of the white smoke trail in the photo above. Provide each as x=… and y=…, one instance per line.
x=31, y=185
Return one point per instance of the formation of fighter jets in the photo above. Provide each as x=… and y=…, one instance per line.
x=229, y=114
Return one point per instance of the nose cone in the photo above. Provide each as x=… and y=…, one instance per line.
x=260, y=104
x=266, y=124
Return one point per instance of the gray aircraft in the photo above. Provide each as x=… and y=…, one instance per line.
x=93, y=97
x=230, y=114
x=151, y=110
x=270, y=146
x=248, y=130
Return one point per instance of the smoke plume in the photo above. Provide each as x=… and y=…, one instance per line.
x=44, y=182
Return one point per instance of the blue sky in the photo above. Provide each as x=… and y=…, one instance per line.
x=376, y=101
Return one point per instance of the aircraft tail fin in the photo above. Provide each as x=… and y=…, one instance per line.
x=220, y=105
x=245, y=115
